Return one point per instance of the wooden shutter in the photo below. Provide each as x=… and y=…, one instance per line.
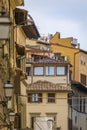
x=29, y=97
x=83, y=79
x=17, y=122
x=40, y=97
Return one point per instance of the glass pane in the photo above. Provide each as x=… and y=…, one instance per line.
x=49, y=70
x=51, y=97
x=60, y=70
x=28, y=70
x=35, y=97
x=38, y=70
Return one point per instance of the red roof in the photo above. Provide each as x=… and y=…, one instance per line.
x=47, y=86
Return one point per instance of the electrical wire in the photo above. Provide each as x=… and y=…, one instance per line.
x=79, y=97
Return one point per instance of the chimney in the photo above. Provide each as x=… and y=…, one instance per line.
x=78, y=45
x=58, y=33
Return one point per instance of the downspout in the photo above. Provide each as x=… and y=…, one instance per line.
x=22, y=3
x=74, y=63
x=32, y=73
x=68, y=79
x=9, y=8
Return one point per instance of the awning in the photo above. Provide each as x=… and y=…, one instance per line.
x=31, y=31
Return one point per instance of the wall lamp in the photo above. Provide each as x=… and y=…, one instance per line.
x=11, y=116
x=8, y=90
x=5, y=24
x=5, y=21
x=7, y=117
x=8, y=124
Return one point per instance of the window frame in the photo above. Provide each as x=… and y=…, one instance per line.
x=49, y=67
x=28, y=71
x=38, y=68
x=83, y=79
x=51, y=98
x=64, y=71
x=37, y=97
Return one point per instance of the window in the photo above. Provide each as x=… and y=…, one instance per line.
x=49, y=70
x=61, y=70
x=51, y=97
x=28, y=69
x=83, y=79
x=80, y=104
x=38, y=70
x=18, y=62
x=57, y=55
x=35, y=97
x=21, y=63
x=84, y=104
x=83, y=60
x=75, y=119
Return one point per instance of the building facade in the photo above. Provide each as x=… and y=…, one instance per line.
x=67, y=47
x=78, y=107
x=7, y=58
x=78, y=58
x=81, y=67
x=48, y=85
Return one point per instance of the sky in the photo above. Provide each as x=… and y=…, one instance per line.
x=65, y=16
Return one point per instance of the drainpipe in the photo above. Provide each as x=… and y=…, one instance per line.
x=74, y=64
x=68, y=79
x=32, y=73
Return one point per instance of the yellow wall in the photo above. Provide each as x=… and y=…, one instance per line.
x=55, y=79
x=80, y=68
x=66, y=51
x=19, y=36
x=62, y=41
x=64, y=46
x=60, y=108
x=31, y=42
x=35, y=43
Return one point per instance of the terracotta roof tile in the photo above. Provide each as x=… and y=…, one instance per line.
x=47, y=86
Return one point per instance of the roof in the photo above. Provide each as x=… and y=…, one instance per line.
x=47, y=86
x=37, y=48
x=20, y=10
x=31, y=31
x=20, y=16
x=48, y=60
x=23, y=18
x=43, y=42
x=80, y=87
x=83, y=51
